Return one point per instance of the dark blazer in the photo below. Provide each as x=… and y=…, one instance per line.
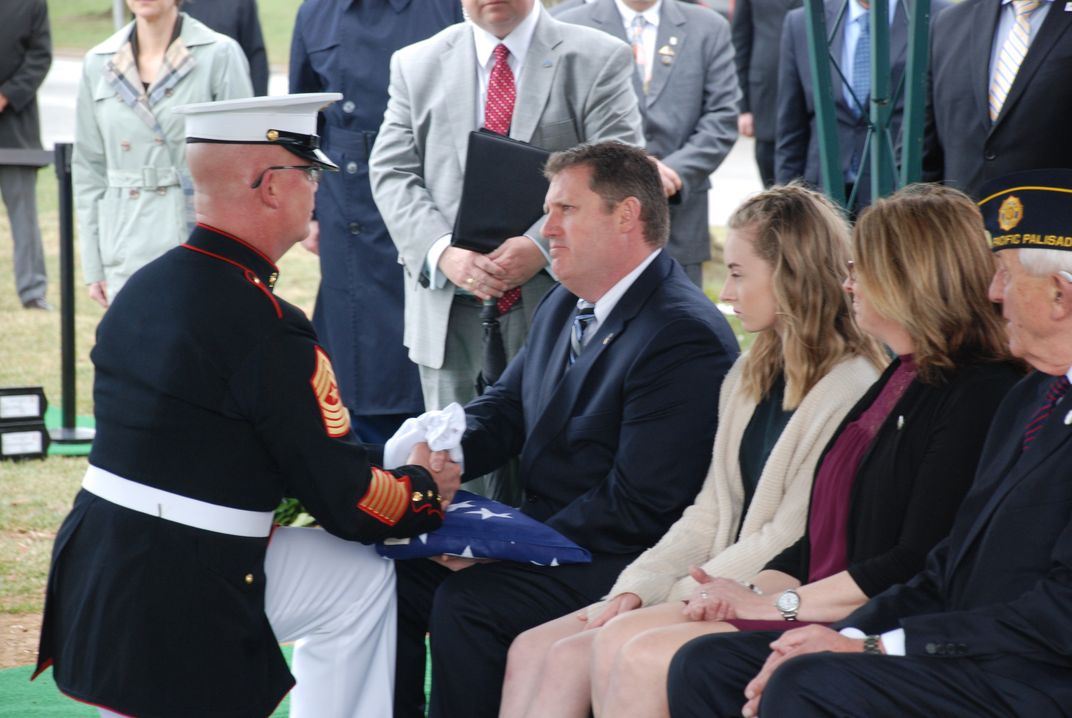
x=24, y=62
x=963, y=148
x=346, y=47
x=205, y=386
x=238, y=20
x=613, y=449
x=997, y=590
x=796, y=151
x=690, y=110
x=915, y=473
x=757, y=39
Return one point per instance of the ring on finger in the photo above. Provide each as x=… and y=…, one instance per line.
x=703, y=595
x=470, y=280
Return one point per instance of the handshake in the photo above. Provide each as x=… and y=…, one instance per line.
x=446, y=473
x=433, y=442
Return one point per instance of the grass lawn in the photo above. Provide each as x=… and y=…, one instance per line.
x=78, y=25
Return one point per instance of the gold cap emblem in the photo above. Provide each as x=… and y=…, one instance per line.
x=272, y=135
x=1010, y=212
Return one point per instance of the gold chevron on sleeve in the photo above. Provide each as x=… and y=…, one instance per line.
x=335, y=415
x=387, y=497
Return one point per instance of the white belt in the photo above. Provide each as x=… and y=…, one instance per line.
x=173, y=507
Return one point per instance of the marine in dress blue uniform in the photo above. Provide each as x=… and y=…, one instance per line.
x=214, y=399
x=346, y=47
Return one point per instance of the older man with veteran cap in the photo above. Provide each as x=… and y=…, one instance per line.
x=169, y=591
x=985, y=629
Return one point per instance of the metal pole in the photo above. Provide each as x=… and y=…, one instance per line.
x=67, y=433
x=825, y=115
x=916, y=91
x=882, y=175
x=119, y=9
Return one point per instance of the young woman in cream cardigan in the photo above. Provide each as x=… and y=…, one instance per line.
x=786, y=253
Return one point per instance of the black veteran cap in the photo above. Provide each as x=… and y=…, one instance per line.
x=1029, y=210
x=288, y=121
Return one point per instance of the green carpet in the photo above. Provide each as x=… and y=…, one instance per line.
x=41, y=699
x=19, y=698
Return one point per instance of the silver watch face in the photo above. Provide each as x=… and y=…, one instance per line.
x=789, y=601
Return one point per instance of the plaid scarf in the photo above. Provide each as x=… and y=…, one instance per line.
x=122, y=73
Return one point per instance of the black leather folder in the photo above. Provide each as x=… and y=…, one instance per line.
x=502, y=193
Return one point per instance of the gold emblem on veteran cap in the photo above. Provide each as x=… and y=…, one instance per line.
x=1010, y=212
x=272, y=135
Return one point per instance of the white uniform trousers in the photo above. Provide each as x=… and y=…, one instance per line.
x=336, y=600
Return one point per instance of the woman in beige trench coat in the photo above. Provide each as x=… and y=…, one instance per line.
x=132, y=190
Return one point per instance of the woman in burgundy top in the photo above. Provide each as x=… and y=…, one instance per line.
x=891, y=479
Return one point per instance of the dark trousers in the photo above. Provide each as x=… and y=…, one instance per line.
x=473, y=615
x=765, y=161
x=709, y=674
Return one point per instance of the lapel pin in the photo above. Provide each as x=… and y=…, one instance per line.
x=1068, y=416
x=546, y=63
x=666, y=50
x=900, y=422
x=673, y=40
x=606, y=341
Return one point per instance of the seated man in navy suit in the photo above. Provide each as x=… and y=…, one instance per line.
x=985, y=629
x=612, y=407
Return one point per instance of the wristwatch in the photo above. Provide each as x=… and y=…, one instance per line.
x=873, y=645
x=788, y=604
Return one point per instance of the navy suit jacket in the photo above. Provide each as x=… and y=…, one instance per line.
x=963, y=148
x=998, y=590
x=614, y=448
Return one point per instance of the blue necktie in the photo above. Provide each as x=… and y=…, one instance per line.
x=861, y=66
x=584, y=316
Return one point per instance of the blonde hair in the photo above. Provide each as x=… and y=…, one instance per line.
x=803, y=237
x=924, y=261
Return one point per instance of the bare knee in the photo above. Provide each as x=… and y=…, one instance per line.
x=526, y=652
x=643, y=656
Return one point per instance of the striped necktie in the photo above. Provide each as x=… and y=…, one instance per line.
x=1057, y=390
x=861, y=67
x=584, y=316
x=1012, y=54
x=640, y=57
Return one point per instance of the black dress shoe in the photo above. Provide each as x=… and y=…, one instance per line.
x=38, y=303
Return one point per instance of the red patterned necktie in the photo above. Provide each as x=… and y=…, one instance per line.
x=498, y=113
x=1057, y=390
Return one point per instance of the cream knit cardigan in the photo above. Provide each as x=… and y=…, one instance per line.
x=704, y=535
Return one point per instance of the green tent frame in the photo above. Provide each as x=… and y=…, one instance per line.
x=879, y=144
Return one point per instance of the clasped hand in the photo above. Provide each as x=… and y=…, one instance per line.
x=721, y=599
x=488, y=276
x=798, y=642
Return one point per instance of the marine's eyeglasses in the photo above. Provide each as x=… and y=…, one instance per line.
x=311, y=171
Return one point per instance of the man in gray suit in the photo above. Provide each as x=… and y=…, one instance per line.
x=24, y=33
x=567, y=85
x=687, y=88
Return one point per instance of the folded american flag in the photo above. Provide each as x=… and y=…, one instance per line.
x=477, y=527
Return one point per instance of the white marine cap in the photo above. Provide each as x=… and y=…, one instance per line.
x=288, y=121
